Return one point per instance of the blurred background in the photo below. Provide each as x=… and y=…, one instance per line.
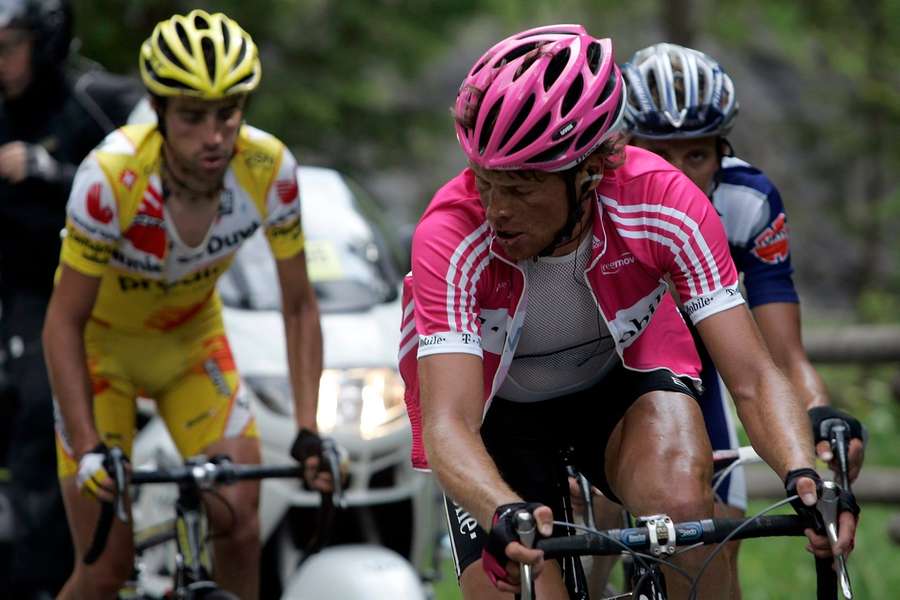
x=365, y=86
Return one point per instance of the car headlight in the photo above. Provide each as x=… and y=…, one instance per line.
x=363, y=399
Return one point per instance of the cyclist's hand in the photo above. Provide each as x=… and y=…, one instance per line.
x=503, y=554
x=807, y=484
x=856, y=440
x=93, y=477
x=19, y=160
x=307, y=450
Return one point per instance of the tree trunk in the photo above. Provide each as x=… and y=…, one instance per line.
x=678, y=22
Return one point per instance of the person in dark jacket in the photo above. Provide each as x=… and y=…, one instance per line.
x=50, y=118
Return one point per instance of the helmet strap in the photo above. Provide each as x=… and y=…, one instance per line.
x=576, y=198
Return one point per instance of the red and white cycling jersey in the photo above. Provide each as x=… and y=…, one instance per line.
x=651, y=224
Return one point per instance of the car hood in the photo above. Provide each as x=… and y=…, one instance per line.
x=367, y=338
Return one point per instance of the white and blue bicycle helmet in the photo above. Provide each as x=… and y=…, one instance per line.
x=677, y=92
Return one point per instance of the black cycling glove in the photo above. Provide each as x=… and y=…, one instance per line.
x=306, y=444
x=846, y=500
x=790, y=488
x=820, y=414
x=503, y=532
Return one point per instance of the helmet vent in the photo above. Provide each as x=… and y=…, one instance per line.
x=209, y=54
x=594, y=56
x=200, y=22
x=517, y=122
x=555, y=67
x=242, y=53
x=573, y=95
x=183, y=36
x=590, y=131
x=551, y=153
x=226, y=37
x=654, y=88
x=678, y=87
x=533, y=134
x=167, y=51
x=477, y=68
x=488, y=128
x=608, y=89
x=514, y=54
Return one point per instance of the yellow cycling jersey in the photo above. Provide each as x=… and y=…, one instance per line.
x=118, y=227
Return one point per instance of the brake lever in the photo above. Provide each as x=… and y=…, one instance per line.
x=828, y=508
x=527, y=532
x=118, y=460
x=835, y=430
x=332, y=456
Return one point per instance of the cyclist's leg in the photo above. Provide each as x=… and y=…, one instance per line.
x=659, y=460
x=607, y=515
x=114, y=417
x=731, y=492
x=207, y=411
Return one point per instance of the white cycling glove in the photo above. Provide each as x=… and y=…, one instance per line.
x=92, y=473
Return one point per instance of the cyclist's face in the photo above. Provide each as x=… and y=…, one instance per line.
x=15, y=61
x=697, y=158
x=200, y=134
x=525, y=212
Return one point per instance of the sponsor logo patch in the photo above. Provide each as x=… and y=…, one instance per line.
x=468, y=526
x=772, y=246
x=613, y=267
x=432, y=340
x=631, y=322
x=288, y=190
x=127, y=178
x=95, y=207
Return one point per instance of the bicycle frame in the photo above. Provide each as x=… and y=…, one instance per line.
x=193, y=565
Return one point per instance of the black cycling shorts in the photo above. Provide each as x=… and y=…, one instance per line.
x=530, y=442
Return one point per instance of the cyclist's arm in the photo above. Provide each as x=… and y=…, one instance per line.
x=304, y=337
x=775, y=421
x=779, y=323
x=63, y=336
x=451, y=392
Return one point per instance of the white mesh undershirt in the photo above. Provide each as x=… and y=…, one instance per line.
x=565, y=345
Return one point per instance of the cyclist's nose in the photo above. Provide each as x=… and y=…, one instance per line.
x=211, y=134
x=499, y=207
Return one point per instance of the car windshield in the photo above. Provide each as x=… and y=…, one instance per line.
x=349, y=269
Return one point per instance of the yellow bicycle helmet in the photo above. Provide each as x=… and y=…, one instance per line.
x=200, y=55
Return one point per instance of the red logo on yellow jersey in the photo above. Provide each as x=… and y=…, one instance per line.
x=95, y=207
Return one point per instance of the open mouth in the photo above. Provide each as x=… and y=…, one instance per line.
x=213, y=162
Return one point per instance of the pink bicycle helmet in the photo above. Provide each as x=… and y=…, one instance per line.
x=542, y=99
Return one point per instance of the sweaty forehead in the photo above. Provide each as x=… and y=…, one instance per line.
x=200, y=105
x=501, y=177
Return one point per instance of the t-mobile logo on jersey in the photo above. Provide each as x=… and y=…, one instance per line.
x=467, y=523
x=631, y=322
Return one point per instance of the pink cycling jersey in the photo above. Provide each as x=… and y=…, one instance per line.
x=650, y=224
